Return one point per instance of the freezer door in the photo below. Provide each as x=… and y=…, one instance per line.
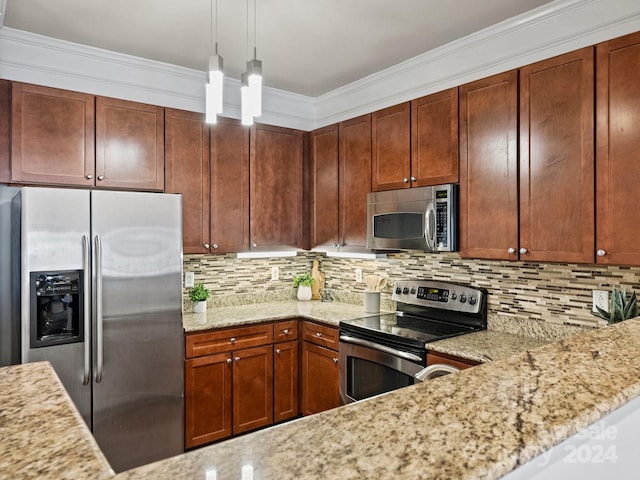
x=138, y=345
x=53, y=224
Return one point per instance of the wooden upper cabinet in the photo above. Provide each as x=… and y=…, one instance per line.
x=618, y=144
x=276, y=178
x=557, y=159
x=434, y=139
x=129, y=145
x=489, y=167
x=325, y=202
x=391, y=148
x=52, y=136
x=187, y=172
x=229, y=186
x=5, y=131
x=354, y=180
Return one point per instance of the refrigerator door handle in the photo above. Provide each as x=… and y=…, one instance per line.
x=99, y=340
x=87, y=310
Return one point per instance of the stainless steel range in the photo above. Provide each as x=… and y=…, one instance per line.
x=385, y=352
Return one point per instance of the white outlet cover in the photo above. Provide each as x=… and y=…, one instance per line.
x=600, y=299
x=275, y=273
x=358, y=275
x=189, y=279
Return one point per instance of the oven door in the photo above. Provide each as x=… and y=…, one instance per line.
x=368, y=369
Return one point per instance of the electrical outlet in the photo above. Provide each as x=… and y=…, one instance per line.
x=275, y=273
x=189, y=279
x=358, y=275
x=600, y=299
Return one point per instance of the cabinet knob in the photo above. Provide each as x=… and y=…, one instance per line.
x=215, y=246
x=335, y=360
x=511, y=250
x=89, y=177
x=229, y=360
x=254, y=245
x=206, y=245
x=601, y=253
x=318, y=334
x=286, y=331
x=405, y=180
x=237, y=359
x=100, y=177
x=232, y=339
x=413, y=179
x=523, y=250
x=278, y=351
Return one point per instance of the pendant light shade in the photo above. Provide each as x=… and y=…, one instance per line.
x=245, y=100
x=214, y=89
x=254, y=74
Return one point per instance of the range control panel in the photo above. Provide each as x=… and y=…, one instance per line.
x=434, y=294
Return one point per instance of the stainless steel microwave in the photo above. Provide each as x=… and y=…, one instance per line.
x=423, y=218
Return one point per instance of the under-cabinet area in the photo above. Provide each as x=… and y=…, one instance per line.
x=243, y=378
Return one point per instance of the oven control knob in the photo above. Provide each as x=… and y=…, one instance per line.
x=463, y=298
x=398, y=290
x=453, y=296
x=413, y=290
x=472, y=300
x=405, y=290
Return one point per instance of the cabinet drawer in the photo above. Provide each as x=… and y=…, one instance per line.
x=320, y=335
x=285, y=331
x=199, y=344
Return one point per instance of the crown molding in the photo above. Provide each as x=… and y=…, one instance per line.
x=553, y=29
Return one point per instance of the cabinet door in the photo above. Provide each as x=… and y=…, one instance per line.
x=489, y=167
x=434, y=139
x=187, y=172
x=5, y=139
x=285, y=381
x=129, y=145
x=391, y=148
x=52, y=136
x=252, y=388
x=324, y=180
x=355, y=180
x=319, y=386
x=618, y=144
x=229, y=187
x=207, y=399
x=557, y=159
x=276, y=187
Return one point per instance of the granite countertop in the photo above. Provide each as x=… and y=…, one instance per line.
x=42, y=435
x=482, y=422
x=485, y=346
x=330, y=313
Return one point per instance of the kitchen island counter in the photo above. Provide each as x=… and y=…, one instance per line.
x=330, y=313
x=482, y=422
x=41, y=433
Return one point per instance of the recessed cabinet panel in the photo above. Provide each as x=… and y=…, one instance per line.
x=618, y=147
x=557, y=159
x=285, y=381
x=319, y=383
x=52, y=136
x=325, y=198
x=129, y=145
x=187, y=172
x=391, y=148
x=489, y=167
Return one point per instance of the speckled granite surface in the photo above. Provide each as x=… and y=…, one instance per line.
x=41, y=433
x=485, y=346
x=545, y=330
x=478, y=423
x=327, y=312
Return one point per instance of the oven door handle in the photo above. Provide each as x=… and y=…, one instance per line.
x=383, y=348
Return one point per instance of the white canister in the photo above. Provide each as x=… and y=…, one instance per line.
x=371, y=302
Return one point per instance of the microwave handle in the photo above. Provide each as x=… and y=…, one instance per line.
x=430, y=225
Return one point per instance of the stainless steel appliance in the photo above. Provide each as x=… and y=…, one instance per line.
x=385, y=352
x=99, y=276
x=423, y=218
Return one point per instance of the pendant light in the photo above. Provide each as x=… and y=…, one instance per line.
x=245, y=101
x=251, y=82
x=214, y=87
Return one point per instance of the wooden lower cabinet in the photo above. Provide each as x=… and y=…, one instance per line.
x=252, y=388
x=285, y=381
x=319, y=385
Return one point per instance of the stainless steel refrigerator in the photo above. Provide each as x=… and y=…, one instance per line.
x=101, y=299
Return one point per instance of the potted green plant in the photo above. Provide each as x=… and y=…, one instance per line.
x=621, y=307
x=303, y=282
x=198, y=296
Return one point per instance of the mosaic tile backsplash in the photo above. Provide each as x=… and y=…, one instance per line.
x=555, y=293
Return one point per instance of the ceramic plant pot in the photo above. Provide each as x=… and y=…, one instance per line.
x=304, y=293
x=200, y=307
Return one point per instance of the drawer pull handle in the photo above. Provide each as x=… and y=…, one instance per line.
x=286, y=331
x=278, y=351
x=232, y=339
x=318, y=334
x=335, y=360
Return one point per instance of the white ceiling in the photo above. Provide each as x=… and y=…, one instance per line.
x=308, y=47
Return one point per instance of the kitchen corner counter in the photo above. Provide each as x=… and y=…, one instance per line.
x=482, y=422
x=41, y=433
x=485, y=346
x=330, y=313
